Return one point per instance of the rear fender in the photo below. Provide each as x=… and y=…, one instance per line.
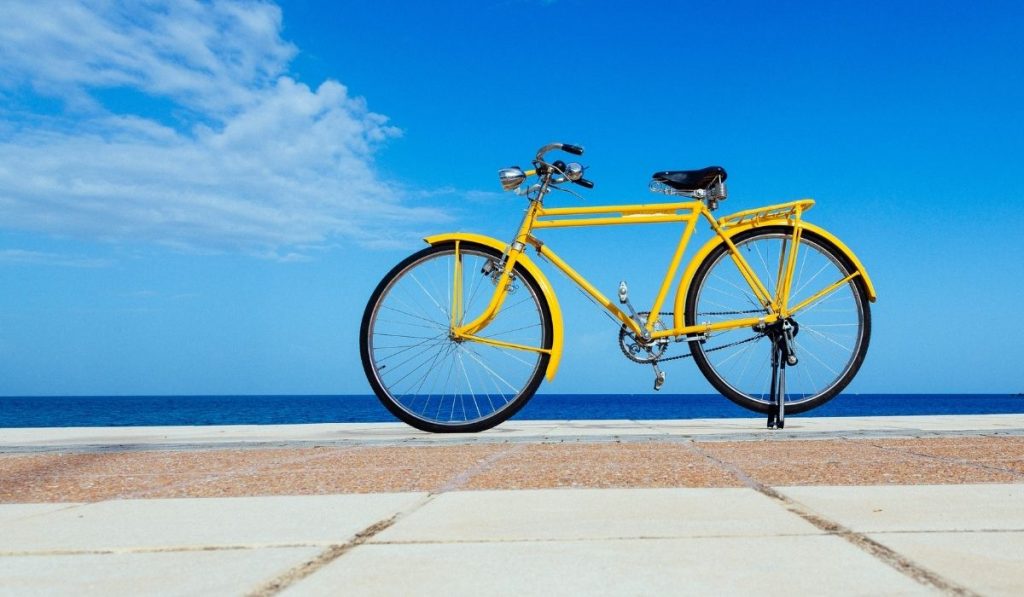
x=542, y=281
x=698, y=258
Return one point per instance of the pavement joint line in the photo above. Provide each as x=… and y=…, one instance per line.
x=67, y=507
x=160, y=549
x=307, y=568
x=677, y=537
x=333, y=552
x=959, y=461
x=938, y=531
x=886, y=555
x=478, y=439
x=465, y=476
x=590, y=539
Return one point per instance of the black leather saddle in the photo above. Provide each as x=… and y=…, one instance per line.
x=690, y=180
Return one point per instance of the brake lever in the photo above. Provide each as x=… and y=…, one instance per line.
x=571, y=192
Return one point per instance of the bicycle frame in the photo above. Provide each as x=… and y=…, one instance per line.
x=774, y=301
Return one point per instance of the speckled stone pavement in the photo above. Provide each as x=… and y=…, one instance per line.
x=581, y=455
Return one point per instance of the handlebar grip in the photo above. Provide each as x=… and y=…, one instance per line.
x=583, y=182
x=573, y=149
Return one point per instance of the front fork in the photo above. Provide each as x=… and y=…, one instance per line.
x=504, y=280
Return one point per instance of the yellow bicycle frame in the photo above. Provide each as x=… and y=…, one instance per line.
x=776, y=302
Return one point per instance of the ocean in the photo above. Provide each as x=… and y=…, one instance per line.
x=101, y=411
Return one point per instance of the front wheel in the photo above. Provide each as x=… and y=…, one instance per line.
x=437, y=383
x=831, y=334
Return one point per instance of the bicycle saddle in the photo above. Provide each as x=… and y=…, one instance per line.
x=690, y=180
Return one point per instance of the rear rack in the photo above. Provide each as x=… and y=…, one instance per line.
x=781, y=211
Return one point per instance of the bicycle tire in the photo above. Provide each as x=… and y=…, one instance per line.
x=856, y=299
x=447, y=352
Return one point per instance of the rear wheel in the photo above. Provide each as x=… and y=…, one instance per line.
x=432, y=381
x=832, y=333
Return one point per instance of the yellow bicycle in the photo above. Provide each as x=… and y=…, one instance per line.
x=457, y=337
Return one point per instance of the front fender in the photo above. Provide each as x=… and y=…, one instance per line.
x=698, y=258
x=542, y=280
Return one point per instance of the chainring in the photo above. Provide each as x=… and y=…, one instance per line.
x=638, y=350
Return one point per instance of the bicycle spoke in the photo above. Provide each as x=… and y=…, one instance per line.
x=830, y=329
x=430, y=296
x=415, y=325
x=414, y=316
x=488, y=369
x=816, y=274
x=434, y=377
x=525, y=327
x=824, y=337
x=764, y=262
x=804, y=351
x=435, y=339
x=748, y=296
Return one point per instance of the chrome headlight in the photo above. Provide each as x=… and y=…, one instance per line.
x=511, y=178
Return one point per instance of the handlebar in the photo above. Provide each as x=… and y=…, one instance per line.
x=558, y=164
x=573, y=149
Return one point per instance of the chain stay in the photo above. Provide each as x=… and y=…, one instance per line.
x=690, y=354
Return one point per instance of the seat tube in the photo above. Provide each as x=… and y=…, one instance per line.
x=670, y=276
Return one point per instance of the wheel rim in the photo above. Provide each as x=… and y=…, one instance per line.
x=435, y=378
x=831, y=330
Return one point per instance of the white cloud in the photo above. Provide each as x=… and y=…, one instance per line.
x=242, y=157
x=23, y=257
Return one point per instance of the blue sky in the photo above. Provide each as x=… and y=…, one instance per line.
x=199, y=198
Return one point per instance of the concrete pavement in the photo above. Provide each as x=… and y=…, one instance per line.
x=840, y=540
x=872, y=505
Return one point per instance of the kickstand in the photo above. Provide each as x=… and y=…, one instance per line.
x=777, y=395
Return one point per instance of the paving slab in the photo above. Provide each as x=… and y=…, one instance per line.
x=990, y=563
x=229, y=572
x=788, y=565
x=872, y=509
x=202, y=522
x=548, y=515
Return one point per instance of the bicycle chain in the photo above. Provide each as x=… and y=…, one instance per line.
x=690, y=354
x=731, y=312
x=731, y=344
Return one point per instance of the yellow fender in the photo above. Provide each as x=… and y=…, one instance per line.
x=691, y=270
x=542, y=281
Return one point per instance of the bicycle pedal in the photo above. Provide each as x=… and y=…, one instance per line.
x=659, y=380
